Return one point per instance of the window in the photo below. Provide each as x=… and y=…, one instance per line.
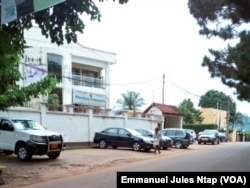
x=112, y=131
x=4, y=125
x=123, y=132
x=179, y=133
x=55, y=65
x=171, y=132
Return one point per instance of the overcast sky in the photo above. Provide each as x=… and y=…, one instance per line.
x=152, y=38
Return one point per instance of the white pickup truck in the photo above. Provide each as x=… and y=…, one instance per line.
x=25, y=137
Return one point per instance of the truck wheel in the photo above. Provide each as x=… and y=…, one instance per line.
x=23, y=153
x=54, y=155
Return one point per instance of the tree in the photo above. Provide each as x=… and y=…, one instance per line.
x=238, y=119
x=59, y=23
x=227, y=20
x=54, y=101
x=191, y=115
x=131, y=101
x=218, y=100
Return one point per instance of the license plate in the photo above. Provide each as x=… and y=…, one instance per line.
x=205, y=139
x=54, y=146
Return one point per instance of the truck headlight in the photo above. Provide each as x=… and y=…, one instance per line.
x=35, y=138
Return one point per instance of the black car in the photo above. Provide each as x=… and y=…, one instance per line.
x=165, y=141
x=209, y=136
x=223, y=137
x=181, y=137
x=123, y=137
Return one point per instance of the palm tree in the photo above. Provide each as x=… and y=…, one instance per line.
x=238, y=119
x=131, y=101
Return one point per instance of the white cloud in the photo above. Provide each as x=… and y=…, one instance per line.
x=152, y=38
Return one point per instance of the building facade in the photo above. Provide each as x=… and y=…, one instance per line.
x=83, y=73
x=214, y=116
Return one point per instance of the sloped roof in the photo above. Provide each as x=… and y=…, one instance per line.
x=166, y=109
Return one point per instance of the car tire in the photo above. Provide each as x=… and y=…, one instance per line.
x=199, y=142
x=7, y=152
x=114, y=147
x=103, y=144
x=136, y=146
x=54, y=155
x=178, y=144
x=23, y=153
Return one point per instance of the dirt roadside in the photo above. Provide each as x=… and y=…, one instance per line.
x=72, y=162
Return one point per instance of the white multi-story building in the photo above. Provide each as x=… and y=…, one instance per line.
x=83, y=73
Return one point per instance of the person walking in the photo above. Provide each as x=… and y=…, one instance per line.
x=157, y=137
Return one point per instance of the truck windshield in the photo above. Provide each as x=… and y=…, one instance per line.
x=27, y=124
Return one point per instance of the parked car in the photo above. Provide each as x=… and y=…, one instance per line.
x=223, y=137
x=209, y=136
x=199, y=133
x=165, y=141
x=26, y=137
x=123, y=137
x=193, y=133
x=181, y=137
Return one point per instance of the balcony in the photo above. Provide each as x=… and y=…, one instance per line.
x=88, y=81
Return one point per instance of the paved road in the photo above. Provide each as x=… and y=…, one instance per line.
x=74, y=162
x=230, y=157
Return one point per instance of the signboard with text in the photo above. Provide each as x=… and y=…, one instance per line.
x=14, y=9
x=89, y=99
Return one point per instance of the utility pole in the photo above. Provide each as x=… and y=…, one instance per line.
x=163, y=85
x=134, y=102
x=229, y=101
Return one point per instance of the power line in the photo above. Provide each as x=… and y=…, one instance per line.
x=131, y=84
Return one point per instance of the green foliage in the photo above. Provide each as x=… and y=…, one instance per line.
x=64, y=17
x=227, y=20
x=214, y=99
x=191, y=115
x=238, y=119
x=60, y=23
x=54, y=99
x=15, y=97
x=218, y=100
x=246, y=134
x=131, y=101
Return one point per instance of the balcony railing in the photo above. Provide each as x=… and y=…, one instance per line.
x=88, y=81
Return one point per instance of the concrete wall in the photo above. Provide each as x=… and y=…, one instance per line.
x=79, y=127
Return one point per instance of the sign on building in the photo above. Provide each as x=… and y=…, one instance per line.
x=88, y=99
x=14, y=9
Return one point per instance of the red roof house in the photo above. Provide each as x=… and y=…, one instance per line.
x=171, y=114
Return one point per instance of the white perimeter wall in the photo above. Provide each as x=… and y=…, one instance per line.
x=79, y=128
